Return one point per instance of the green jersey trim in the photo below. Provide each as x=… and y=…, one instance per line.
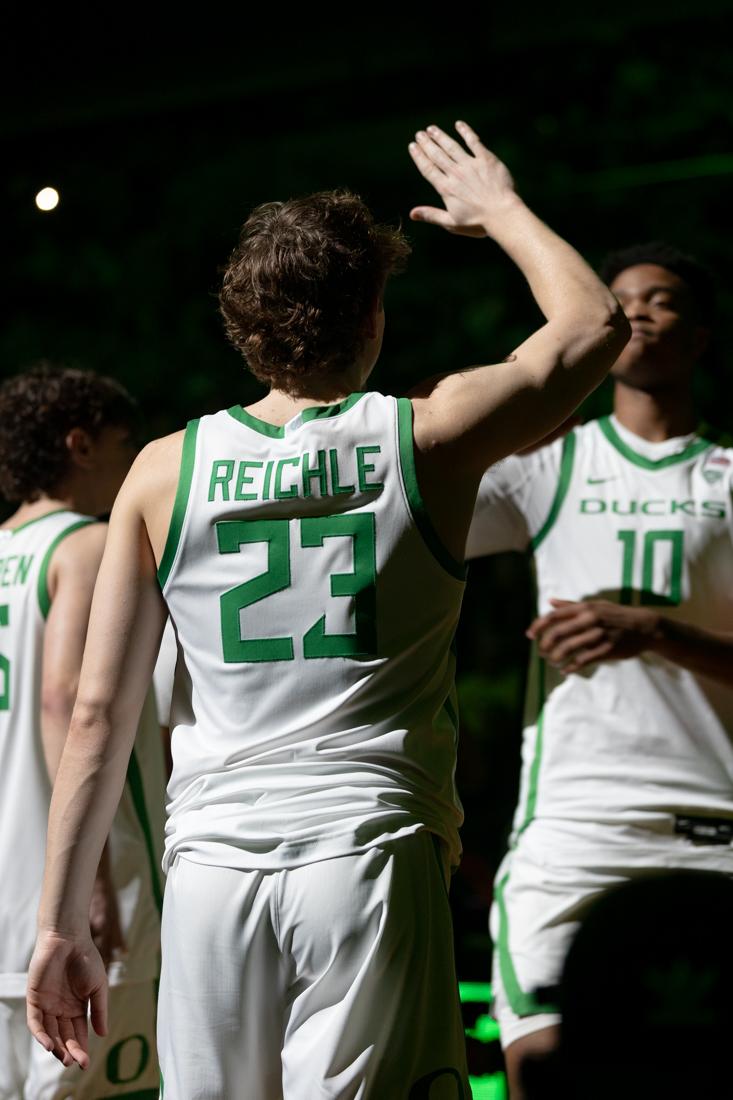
x=520, y=1002
x=692, y=449
x=30, y=522
x=534, y=771
x=277, y=431
x=566, y=471
x=180, y=504
x=321, y=412
x=137, y=793
x=44, y=598
x=414, y=496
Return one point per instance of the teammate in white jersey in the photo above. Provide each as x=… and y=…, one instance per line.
x=64, y=451
x=309, y=552
x=628, y=743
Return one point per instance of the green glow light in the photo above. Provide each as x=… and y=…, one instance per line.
x=474, y=992
x=485, y=1030
x=491, y=1087
x=634, y=175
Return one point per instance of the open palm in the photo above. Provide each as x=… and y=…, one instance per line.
x=473, y=183
x=66, y=977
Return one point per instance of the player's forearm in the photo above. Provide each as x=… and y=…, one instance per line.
x=707, y=652
x=562, y=283
x=57, y=706
x=88, y=786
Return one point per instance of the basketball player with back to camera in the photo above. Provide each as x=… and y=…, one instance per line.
x=627, y=752
x=65, y=448
x=313, y=816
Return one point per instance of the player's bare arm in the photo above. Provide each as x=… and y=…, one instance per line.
x=67, y=972
x=577, y=634
x=71, y=578
x=466, y=421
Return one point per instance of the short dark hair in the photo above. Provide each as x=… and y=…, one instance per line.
x=298, y=287
x=696, y=277
x=37, y=410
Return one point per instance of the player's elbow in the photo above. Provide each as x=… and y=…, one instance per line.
x=603, y=326
x=91, y=718
x=614, y=327
x=588, y=345
x=57, y=701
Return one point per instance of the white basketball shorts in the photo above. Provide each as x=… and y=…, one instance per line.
x=543, y=889
x=331, y=980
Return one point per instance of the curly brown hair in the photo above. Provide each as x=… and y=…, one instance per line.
x=299, y=286
x=37, y=410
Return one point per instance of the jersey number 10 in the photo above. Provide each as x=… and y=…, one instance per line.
x=359, y=584
x=652, y=540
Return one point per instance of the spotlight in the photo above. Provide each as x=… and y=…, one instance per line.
x=47, y=198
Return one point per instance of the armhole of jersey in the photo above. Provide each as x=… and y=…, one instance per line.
x=44, y=599
x=563, y=484
x=415, y=501
x=180, y=504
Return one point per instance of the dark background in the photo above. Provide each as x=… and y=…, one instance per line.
x=161, y=129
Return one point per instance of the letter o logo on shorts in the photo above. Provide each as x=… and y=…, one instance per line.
x=134, y=1062
x=423, y=1088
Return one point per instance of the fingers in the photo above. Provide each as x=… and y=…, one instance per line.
x=588, y=657
x=561, y=629
x=432, y=214
x=561, y=652
x=426, y=166
x=98, y=1009
x=564, y=609
x=471, y=138
x=449, y=146
x=58, y=1048
x=73, y=1050
x=37, y=1027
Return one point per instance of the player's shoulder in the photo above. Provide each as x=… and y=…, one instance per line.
x=79, y=547
x=718, y=439
x=716, y=461
x=155, y=469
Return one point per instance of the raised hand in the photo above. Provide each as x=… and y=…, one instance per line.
x=66, y=976
x=474, y=185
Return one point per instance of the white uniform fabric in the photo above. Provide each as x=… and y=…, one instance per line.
x=616, y=756
x=163, y=673
x=135, y=843
x=123, y=1063
x=313, y=735
x=329, y=980
x=313, y=710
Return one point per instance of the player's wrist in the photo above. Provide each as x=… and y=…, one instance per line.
x=74, y=926
x=650, y=628
x=502, y=216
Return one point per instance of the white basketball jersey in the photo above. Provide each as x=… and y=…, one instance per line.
x=313, y=706
x=609, y=515
x=136, y=840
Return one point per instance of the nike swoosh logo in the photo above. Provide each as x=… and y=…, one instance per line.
x=600, y=480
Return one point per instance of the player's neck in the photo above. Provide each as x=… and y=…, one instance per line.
x=35, y=509
x=654, y=416
x=72, y=495
x=280, y=406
